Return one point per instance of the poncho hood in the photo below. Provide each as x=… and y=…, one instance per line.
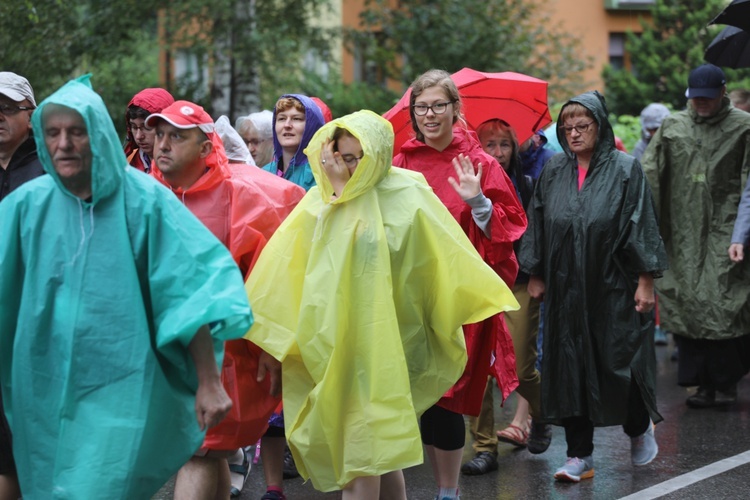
x=375, y=134
x=313, y=121
x=152, y=100
x=605, y=142
x=108, y=160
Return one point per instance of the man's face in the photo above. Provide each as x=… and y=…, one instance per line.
x=177, y=150
x=290, y=127
x=14, y=126
x=67, y=141
x=143, y=136
x=706, y=107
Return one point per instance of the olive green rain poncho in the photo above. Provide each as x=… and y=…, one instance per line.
x=362, y=299
x=697, y=168
x=589, y=247
x=100, y=300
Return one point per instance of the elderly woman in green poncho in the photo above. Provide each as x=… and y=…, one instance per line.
x=361, y=294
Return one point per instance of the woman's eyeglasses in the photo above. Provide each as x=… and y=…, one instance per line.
x=438, y=108
x=581, y=129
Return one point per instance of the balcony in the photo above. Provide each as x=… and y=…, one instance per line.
x=629, y=4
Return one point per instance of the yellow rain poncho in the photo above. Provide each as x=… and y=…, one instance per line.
x=362, y=299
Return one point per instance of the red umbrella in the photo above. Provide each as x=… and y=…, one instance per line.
x=518, y=99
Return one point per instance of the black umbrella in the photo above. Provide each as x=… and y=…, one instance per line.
x=730, y=48
x=736, y=13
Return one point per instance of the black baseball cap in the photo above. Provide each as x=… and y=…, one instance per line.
x=706, y=80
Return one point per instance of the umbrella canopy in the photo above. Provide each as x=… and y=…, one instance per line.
x=730, y=48
x=736, y=14
x=518, y=99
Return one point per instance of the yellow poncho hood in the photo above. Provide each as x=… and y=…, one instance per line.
x=362, y=299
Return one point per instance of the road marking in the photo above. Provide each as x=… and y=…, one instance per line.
x=693, y=477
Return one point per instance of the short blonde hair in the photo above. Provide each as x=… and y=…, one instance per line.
x=286, y=103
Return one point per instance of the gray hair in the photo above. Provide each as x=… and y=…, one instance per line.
x=262, y=121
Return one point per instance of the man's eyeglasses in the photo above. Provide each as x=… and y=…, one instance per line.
x=11, y=110
x=581, y=129
x=351, y=160
x=438, y=108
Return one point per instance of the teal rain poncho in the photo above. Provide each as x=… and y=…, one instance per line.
x=362, y=299
x=100, y=299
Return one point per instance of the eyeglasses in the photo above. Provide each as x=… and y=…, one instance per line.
x=255, y=142
x=438, y=108
x=11, y=110
x=581, y=129
x=352, y=160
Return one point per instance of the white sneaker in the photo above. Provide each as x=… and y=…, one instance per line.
x=576, y=469
x=643, y=449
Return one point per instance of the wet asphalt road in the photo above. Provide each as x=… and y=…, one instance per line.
x=688, y=439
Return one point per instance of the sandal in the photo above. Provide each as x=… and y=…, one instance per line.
x=242, y=469
x=514, y=435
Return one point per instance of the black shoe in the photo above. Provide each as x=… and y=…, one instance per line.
x=482, y=463
x=290, y=469
x=727, y=397
x=704, y=397
x=540, y=436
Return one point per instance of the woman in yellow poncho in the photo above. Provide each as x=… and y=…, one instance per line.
x=361, y=294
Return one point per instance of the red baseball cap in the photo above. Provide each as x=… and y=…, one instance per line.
x=184, y=114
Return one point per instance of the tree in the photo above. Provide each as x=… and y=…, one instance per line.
x=663, y=55
x=486, y=35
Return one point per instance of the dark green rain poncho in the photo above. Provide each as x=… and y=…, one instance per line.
x=697, y=168
x=589, y=246
x=99, y=302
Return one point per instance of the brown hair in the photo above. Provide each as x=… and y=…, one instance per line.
x=289, y=102
x=574, y=109
x=338, y=134
x=434, y=78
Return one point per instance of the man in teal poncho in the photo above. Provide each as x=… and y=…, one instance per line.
x=115, y=304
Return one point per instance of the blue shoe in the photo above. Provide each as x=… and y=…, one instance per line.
x=643, y=449
x=576, y=469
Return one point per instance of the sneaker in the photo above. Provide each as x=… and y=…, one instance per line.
x=482, y=463
x=273, y=495
x=540, y=436
x=576, y=469
x=290, y=468
x=643, y=449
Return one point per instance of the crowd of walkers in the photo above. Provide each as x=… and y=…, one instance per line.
x=290, y=286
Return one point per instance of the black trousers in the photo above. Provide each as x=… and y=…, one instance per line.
x=712, y=364
x=579, y=430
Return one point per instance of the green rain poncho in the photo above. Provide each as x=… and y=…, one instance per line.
x=697, y=168
x=362, y=299
x=100, y=299
x=589, y=246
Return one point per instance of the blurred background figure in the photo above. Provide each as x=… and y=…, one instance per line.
x=651, y=118
x=740, y=99
x=327, y=115
x=256, y=129
x=234, y=145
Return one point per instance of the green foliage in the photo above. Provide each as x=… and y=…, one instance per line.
x=343, y=98
x=627, y=128
x=486, y=35
x=663, y=55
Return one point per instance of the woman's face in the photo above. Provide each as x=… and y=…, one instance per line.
x=581, y=133
x=351, y=152
x=499, y=145
x=436, y=128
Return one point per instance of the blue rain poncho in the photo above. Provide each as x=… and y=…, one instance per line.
x=362, y=299
x=100, y=300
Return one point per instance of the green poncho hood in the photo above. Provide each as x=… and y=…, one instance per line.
x=109, y=162
x=605, y=142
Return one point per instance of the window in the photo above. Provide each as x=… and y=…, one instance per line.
x=617, y=50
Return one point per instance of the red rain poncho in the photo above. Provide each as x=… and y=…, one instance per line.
x=241, y=206
x=507, y=224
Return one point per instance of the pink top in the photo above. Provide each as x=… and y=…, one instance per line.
x=581, y=176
